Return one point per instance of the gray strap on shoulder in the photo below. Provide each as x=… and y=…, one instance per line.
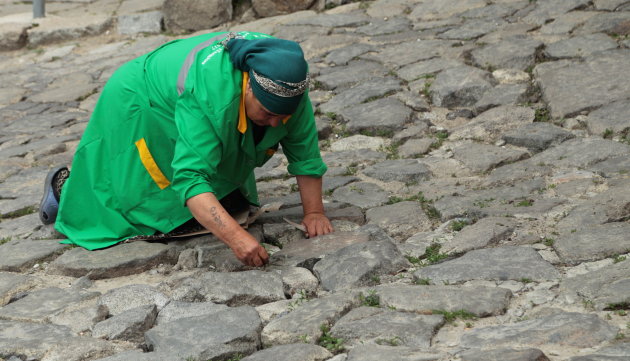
x=190, y=58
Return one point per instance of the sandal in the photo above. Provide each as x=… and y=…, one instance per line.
x=49, y=205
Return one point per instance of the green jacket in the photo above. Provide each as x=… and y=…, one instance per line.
x=166, y=128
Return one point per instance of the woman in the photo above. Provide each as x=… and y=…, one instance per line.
x=182, y=127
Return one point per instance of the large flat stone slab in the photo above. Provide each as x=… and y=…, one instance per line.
x=306, y=252
x=122, y=299
x=12, y=284
x=176, y=310
x=504, y=354
x=393, y=353
x=514, y=53
x=537, y=136
x=604, y=287
x=385, y=114
x=460, y=87
x=481, y=301
x=613, y=117
x=402, y=170
x=120, y=260
x=361, y=194
x=491, y=124
x=486, y=232
x=481, y=158
x=562, y=329
x=400, y=220
x=602, y=79
x=375, y=325
x=581, y=153
x=593, y=243
x=39, y=305
x=359, y=264
x=292, y=352
x=304, y=323
x=30, y=339
x=21, y=254
x=233, y=289
x=127, y=326
x=218, y=336
x=502, y=263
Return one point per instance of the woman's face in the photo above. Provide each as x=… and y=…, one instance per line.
x=257, y=112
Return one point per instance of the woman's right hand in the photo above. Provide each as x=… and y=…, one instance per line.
x=249, y=252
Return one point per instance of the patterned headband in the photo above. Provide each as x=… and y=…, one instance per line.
x=276, y=89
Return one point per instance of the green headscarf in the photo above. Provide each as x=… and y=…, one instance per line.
x=277, y=70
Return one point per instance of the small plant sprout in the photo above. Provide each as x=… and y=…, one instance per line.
x=332, y=344
x=371, y=300
x=451, y=316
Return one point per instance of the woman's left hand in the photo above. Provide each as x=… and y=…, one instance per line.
x=316, y=224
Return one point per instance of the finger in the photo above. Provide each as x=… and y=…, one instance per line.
x=264, y=256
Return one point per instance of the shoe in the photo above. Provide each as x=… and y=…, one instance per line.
x=49, y=205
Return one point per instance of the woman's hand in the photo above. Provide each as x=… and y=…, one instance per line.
x=316, y=224
x=250, y=252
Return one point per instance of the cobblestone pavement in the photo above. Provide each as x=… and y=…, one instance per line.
x=478, y=158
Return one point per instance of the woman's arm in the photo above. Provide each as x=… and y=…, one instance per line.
x=315, y=219
x=207, y=210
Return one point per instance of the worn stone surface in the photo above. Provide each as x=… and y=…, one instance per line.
x=594, y=243
x=368, y=260
x=402, y=170
x=400, y=220
x=357, y=327
x=361, y=194
x=486, y=232
x=537, y=137
x=191, y=15
x=128, y=297
x=129, y=325
x=613, y=117
x=459, y=87
x=30, y=339
x=19, y=255
x=392, y=353
x=605, y=287
x=563, y=329
x=491, y=124
x=502, y=263
x=481, y=301
x=12, y=284
x=484, y=157
x=504, y=354
x=39, y=305
x=233, y=289
x=221, y=334
x=297, y=351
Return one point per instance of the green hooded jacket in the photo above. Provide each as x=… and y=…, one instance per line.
x=166, y=128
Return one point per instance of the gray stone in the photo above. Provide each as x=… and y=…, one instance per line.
x=400, y=220
x=502, y=263
x=546, y=10
x=355, y=72
x=54, y=30
x=119, y=300
x=383, y=114
x=613, y=117
x=504, y=354
x=385, y=26
x=436, y=9
x=515, y=53
x=298, y=280
x=147, y=22
x=618, y=352
x=191, y=15
x=480, y=301
x=593, y=243
x=605, y=287
x=291, y=352
x=82, y=348
x=406, y=329
x=138, y=355
x=127, y=326
x=486, y=232
x=401, y=170
x=82, y=317
x=537, y=136
x=30, y=339
x=361, y=194
x=565, y=24
x=502, y=94
x=393, y=353
x=334, y=211
x=607, y=22
x=304, y=323
x=67, y=88
x=562, y=329
x=472, y=29
x=216, y=336
x=425, y=69
x=459, y=87
x=580, y=46
x=608, y=4
x=333, y=20
x=306, y=252
x=343, y=55
x=233, y=289
x=601, y=78
x=280, y=234
x=360, y=94
x=409, y=52
x=368, y=261
x=12, y=284
x=581, y=153
x=413, y=148
x=122, y=260
x=612, y=166
x=176, y=310
x=414, y=100
x=332, y=183
x=481, y=158
x=40, y=305
x=21, y=254
x=343, y=158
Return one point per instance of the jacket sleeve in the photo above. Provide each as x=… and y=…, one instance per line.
x=197, y=150
x=300, y=145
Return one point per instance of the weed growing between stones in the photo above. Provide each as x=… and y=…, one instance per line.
x=19, y=213
x=422, y=281
x=351, y=169
x=619, y=258
x=298, y=300
x=618, y=306
x=371, y=300
x=542, y=115
x=608, y=133
x=457, y=226
x=4, y=240
x=588, y=304
x=524, y=203
x=237, y=357
x=394, y=341
x=432, y=254
x=391, y=150
x=526, y=280
x=548, y=241
x=332, y=344
x=450, y=317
